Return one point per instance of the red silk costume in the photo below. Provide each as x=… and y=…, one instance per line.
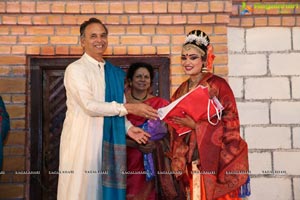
x=222, y=153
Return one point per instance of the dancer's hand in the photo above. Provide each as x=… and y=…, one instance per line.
x=185, y=121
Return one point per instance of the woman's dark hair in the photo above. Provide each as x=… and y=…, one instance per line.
x=90, y=21
x=135, y=66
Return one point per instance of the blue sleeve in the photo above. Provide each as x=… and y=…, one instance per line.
x=5, y=123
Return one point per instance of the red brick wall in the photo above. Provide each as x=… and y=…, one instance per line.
x=51, y=28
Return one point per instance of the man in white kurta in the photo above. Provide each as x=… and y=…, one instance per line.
x=81, y=138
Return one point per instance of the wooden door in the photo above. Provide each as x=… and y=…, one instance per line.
x=47, y=113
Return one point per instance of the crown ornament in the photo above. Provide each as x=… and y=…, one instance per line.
x=199, y=40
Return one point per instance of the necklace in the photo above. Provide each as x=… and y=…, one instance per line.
x=192, y=84
x=142, y=99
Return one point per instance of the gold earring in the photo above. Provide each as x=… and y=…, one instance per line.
x=204, y=68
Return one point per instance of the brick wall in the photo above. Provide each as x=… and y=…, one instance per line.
x=51, y=28
x=264, y=79
x=264, y=51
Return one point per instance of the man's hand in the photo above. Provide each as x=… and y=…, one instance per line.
x=141, y=109
x=138, y=135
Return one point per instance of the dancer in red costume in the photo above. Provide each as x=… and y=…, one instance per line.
x=213, y=158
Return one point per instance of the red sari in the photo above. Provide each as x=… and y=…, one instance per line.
x=221, y=153
x=137, y=186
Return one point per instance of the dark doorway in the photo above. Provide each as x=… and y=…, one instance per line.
x=47, y=113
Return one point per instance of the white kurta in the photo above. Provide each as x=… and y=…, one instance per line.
x=81, y=138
